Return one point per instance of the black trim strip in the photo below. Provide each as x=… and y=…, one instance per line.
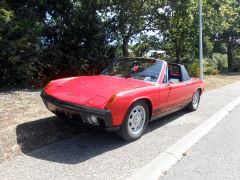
x=176, y=105
x=170, y=109
x=165, y=113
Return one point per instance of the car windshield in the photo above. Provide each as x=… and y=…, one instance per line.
x=141, y=69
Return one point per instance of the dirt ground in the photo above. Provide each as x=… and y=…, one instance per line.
x=26, y=125
x=216, y=81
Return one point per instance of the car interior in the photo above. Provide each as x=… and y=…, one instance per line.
x=174, y=73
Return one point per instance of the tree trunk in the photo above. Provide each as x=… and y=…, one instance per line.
x=179, y=47
x=125, y=47
x=230, y=56
x=178, y=55
x=141, y=53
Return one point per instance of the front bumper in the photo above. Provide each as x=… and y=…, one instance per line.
x=78, y=113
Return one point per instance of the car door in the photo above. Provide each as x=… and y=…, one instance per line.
x=177, y=94
x=172, y=90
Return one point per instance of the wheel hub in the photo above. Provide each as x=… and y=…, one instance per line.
x=136, y=119
x=195, y=99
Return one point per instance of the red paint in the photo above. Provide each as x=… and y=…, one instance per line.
x=97, y=91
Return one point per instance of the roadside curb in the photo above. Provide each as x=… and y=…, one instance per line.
x=158, y=166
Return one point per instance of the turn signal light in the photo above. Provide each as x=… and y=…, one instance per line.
x=48, y=85
x=110, y=102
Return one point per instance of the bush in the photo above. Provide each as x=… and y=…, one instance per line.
x=220, y=61
x=210, y=67
x=236, y=54
x=193, y=69
x=211, y=71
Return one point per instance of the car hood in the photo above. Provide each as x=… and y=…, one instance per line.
x=93, y=91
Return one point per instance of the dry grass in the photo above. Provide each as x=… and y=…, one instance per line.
x=20, y=106
x=217, y=81
x=25, y=123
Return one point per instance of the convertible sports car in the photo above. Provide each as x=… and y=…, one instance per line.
x=126, y=96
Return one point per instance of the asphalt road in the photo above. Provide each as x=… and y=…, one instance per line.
x=216, y=156
x=100, y=155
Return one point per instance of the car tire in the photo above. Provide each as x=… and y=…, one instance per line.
x=135, y=121
x=193, y=105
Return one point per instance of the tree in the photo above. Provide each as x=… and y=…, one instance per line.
x=131, y=17
x=5, y=19
x=75, y=30
x=177, y=28
x=19, y=40
x=42, y=40
x=144, y=43
x=47, y=39
x=231, y=33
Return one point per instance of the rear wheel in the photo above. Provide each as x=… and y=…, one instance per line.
x=193, y=106
x=135, y=121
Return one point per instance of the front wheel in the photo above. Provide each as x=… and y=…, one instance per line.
x=193, y=106
x=135, y=121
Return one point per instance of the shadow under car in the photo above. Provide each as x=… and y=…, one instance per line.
x=72, y=144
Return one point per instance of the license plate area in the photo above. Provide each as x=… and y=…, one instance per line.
x=65, y=112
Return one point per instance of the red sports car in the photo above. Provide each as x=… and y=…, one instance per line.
x=126, y=96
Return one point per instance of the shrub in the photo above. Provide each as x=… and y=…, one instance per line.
x=193, y=69
x=210, y=67
x=220, y=61
x=236, y=54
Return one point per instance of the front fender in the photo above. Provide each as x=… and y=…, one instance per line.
x=124, y=100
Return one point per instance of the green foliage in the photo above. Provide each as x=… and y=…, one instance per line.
x=220, y=61
x=208, y=46
x=223, y=26
x=140, y=49
x=144, y=44
x=5, y=15
x=129, y=18
x=178, y=28
x=210, y=67
x=193, y=69
x=43, y=40
x=19, y=44
x=236, y=54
